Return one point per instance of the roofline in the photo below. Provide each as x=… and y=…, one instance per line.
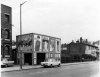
x=39, y=34
x=5, y=5
x=84, y=44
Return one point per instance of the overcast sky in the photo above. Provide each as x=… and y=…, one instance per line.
x=66, y=19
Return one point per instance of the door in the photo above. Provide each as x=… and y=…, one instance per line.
x=40, y=57
x=28, y=58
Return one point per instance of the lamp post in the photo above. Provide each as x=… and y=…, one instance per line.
x=21, y=32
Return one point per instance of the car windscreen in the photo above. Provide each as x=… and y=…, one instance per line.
x=50, y=60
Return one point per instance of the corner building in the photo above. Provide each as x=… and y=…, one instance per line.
x=37, y=47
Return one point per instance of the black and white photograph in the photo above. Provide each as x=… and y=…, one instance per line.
x=52, y=44
x=50, y=38
x=37, y=43
x=45, y=43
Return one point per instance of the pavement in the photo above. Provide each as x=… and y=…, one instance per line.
x=26, y=67
x=84, y=69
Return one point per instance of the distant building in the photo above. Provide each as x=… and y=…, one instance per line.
x=80, y=47
x=97, y=43
x=6, y=31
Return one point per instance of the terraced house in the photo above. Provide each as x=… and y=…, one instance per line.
x=81, y=47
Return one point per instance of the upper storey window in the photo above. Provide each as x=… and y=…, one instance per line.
x=7, y=34
x=7, y=18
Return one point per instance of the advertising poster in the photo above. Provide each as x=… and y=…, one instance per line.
x=37, y=43
x=25, y=42
x=59, y=55
x=34, y=61
x=45, y=44
x=34, y=55
x=51, y=55
x=58, y=45
x=47, y=55
x=52, y=44
x=55, y=55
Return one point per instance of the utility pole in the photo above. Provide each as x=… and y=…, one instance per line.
x=21, y=33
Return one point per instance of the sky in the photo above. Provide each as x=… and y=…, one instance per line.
x=65, y=19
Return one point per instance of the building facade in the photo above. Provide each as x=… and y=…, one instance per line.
x=36, y=48
x=97, y=43
x=80, y=47
x=6, y=31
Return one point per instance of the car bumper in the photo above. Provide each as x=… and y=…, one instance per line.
x=44, y=65
x=3, y=65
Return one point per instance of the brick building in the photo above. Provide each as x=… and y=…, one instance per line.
x=6, y=31
x=79, y=47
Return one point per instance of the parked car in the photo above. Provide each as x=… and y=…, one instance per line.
x=6, y=62
x=51, y=63
x=2, y=64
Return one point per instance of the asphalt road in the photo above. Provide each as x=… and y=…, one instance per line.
x=78, y=70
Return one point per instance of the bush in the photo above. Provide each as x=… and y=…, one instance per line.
x=77, y=58
x=88, y=57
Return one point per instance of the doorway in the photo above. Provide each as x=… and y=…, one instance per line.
x=28, y=58
x=40, y=57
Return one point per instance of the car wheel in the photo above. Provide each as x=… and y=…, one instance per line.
x=6, y=65
x=58, y=65
x=51, y=65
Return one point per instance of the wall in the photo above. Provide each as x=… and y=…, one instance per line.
x=91, y=50
x=76, y=48
x=6, y=31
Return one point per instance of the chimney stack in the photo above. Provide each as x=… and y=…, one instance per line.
x=81, y=39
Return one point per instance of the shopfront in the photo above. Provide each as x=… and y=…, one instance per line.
x=36, y=48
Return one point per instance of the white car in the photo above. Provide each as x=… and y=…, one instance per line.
x=7, y=62
x=2, y=64
x=51, y=63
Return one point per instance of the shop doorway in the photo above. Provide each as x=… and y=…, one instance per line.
x=28, y=58
x=40, y=57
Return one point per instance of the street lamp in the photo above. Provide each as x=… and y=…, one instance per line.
x=21, y=33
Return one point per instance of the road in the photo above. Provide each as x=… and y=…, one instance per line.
x=90, y=69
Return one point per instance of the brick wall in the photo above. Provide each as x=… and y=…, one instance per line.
x=6, y=30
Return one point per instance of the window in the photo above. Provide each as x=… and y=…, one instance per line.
x=7, y=50
x=51, y=55
x=1, y=33
x=6, y=18
x=7, y=34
